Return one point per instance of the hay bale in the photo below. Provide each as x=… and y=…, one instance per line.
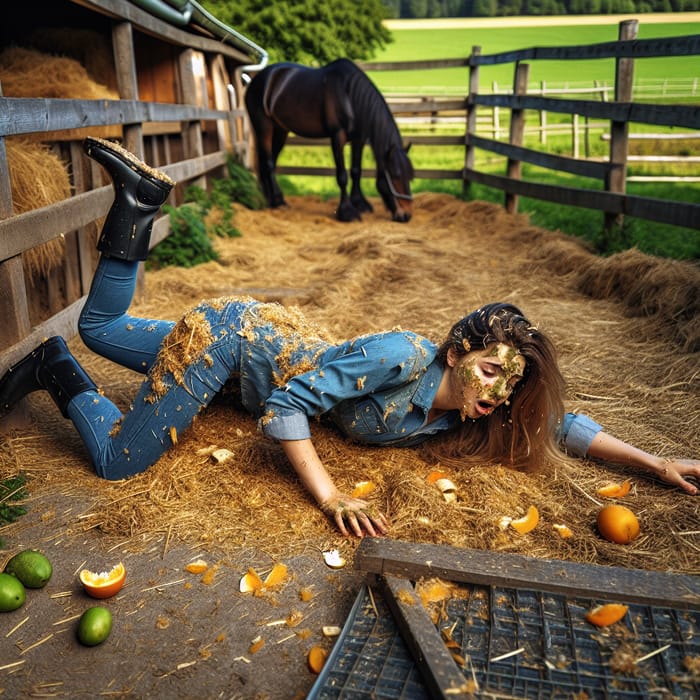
x=38, y=177
x=91, y=49
x=30, y=73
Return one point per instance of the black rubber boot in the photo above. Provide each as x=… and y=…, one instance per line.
x=51, y=367
x=139, y=192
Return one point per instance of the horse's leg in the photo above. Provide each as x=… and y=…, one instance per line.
x=263, y=143
x=356, y=197
x=346, y=211
x=279, y=138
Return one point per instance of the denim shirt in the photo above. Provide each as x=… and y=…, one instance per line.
x=377, y=389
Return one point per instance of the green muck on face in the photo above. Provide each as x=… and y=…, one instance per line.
x=487, y=377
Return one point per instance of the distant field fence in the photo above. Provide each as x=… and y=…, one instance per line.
x=612, y=107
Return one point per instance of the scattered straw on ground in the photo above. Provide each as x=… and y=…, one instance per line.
x=625, y=352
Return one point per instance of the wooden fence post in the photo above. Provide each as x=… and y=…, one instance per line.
x=192, y=94
x=14, y=307
x=543, y=115
x=517, y=130
x=471, y=118
x=619, y=131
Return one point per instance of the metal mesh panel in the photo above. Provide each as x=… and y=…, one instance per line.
x=559, y=654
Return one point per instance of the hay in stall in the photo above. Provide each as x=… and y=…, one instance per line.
x=26, y=72
x=628, y=372
x=38, y=177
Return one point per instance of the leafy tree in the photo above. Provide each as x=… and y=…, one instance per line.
x=308, y=31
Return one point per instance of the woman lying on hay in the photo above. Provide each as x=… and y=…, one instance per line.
x=494, y=382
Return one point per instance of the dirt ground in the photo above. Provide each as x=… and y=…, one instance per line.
x=627, y=334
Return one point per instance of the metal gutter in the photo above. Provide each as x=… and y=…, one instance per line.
x=187, y=12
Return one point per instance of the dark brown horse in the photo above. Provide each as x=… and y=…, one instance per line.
x=337, y=101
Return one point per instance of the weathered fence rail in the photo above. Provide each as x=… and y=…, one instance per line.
x=613, y=107
x=178, y=112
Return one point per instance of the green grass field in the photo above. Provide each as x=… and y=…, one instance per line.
x=415, y=44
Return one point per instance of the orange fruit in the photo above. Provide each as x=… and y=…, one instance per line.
x=615, y=490
x=104, y=584
x=603, y=615
x=527, y=522
x=618, y=524
x=316, y=658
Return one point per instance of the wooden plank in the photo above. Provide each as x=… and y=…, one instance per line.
x=191, y=93
x=661, y=210
x=162, y=30
x=660, y=115
x=24, y=231
x=28, y=115
x=14, y=308
x=616, y=179
x=516, y=133
x=427, y=105
x=640, y=48
x=545, y=160
x=383, y=557
x=32, y=228
x=64, y=323
x=413, y=65
x=442, y=677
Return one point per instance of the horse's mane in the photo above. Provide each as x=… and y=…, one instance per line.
x=373, y=118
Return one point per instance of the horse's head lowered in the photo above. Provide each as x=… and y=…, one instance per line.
x=394, y=177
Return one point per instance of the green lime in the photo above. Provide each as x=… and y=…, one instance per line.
x=94, y=626
x=32, y=568
x=12, y=593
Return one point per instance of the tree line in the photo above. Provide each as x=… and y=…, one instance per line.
x=315, y=33
x=420, y=9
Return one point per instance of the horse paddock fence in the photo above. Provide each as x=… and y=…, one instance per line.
x=479, y=125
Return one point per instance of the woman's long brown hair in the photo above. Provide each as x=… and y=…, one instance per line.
x=520, y=433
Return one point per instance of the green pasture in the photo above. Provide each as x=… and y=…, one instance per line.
x=415, y=44
x=424, y=44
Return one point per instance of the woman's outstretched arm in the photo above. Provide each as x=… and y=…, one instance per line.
x=348, y=513
x=671, y=471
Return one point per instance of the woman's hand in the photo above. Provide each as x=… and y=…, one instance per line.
x=676, y=471
x=355, y=515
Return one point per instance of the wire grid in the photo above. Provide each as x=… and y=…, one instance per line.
x=370, y=658
x=558, y=654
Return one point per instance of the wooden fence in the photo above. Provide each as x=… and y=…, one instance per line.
x=175, y=112
x=618, y=113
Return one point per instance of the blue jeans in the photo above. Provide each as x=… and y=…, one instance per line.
x=123, y=445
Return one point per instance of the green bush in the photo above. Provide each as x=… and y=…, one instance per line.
x=203, y=216
x=11, y=489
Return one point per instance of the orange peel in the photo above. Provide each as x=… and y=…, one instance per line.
x=434, y=476
x=363, y=489
x=197, y=567
x=615, y=490
x=528, y=522
x=252, y=583
x=104, y=584
x=563, y=530
x=316, y=658
x=608, y=614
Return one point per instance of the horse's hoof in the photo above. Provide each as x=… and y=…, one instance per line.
x=347, y=214
x=363, y=206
